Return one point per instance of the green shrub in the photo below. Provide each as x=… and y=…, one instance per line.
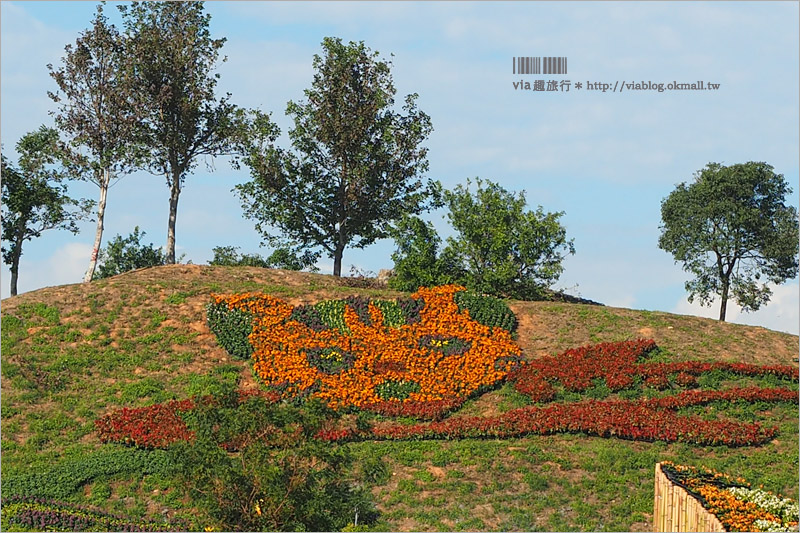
x=487, y=310
x=232, y=328
x=286, y=481
x=122, y=255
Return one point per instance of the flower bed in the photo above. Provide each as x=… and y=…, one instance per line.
x=156, y=426
x=737, y=506
x=646, y=420
x=427, y=351
x=619, y=364
x=422, y=356
x=34, y=514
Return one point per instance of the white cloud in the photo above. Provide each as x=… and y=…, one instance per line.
x=782, y=313
x=65, y=265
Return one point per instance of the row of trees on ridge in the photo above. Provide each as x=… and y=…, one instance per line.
x=145, y=98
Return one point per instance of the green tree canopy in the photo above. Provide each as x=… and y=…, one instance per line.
x=97, y=114
x=499, y=248
x=170, y=60
x=732, y=230
x=284, y=258
x=356, y=165
x=34, y=197
x=417, y=261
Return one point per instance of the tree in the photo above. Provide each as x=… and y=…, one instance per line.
x=416, y=259
x=356, y=164
x=502, y=249
x=729, y=228
x=281, y=258
x=171, y=56
x=123, y=255
x=34, y=197
x=96, y=112
x=499, y=249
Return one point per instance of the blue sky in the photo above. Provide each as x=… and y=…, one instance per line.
x=605, y=159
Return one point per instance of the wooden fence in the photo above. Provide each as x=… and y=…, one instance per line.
x=676, y=510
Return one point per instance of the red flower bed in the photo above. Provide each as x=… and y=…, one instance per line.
x=618, y=364
x=635, y=419
x=576, y=370
x=431, y=410
x=159, y=425
x=155, y=426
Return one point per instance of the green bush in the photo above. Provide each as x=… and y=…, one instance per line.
x=487, y=310
x=122, y=255
x=284, y=481
x=64, y=479
x=232, y=328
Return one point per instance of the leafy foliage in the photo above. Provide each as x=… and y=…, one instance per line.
x=97, y=113
x=730, y=227
x=123, y=255
x=487, y=310
x=416, y=260
x=64, y=479
x=356, y=164
x=289, y=483
x=284, y=258
x=170, y=57
x=34, y=198
x=499, y=249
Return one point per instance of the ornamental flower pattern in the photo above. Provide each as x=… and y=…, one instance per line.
x=426, y=355
x=297, y=357
x=732, y=501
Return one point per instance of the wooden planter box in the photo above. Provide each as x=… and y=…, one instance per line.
x=675, y=509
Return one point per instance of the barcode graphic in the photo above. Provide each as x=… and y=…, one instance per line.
x=540, y=65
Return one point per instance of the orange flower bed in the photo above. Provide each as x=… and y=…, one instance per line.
x=357, y=369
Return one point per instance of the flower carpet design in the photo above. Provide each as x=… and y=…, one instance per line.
x=737, y=506
x=374, y=354
x=422, y=357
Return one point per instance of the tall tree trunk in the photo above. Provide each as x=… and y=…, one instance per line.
x=98, y=236
x=17, y=253
x=174, y=193
x=724, y=307
x=339, y=250
x=337, y=261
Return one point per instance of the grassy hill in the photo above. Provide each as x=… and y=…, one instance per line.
x=71, y=354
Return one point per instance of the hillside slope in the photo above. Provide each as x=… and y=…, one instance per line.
x=73, y=353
